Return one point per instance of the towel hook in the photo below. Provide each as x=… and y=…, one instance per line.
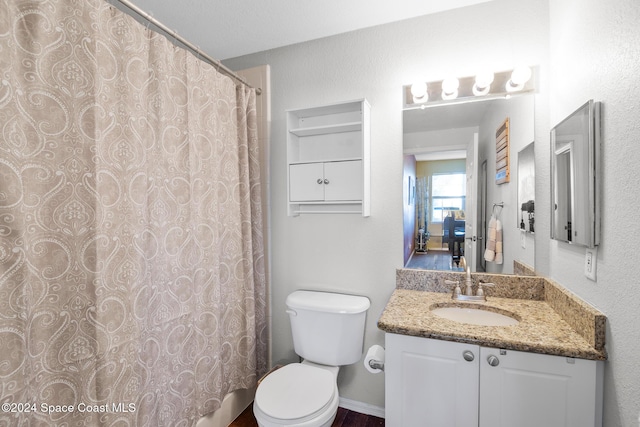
x=497, y=205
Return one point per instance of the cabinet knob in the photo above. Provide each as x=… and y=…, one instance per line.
x=326, y=181
x=493, y=360
x=319, y=181
x=468, y=356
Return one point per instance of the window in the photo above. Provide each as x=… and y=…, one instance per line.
x=448, y=193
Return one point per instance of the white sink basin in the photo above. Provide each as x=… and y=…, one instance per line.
x=474, y=316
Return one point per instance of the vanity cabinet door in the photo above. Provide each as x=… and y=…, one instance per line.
x=532, y=390
x=343, y=180
x=430, y=382
x=306, y=182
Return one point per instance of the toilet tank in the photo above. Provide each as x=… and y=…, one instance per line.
x=328, y=328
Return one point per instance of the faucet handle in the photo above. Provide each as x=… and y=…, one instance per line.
x=456, y=290
x=481, y=283
x=480, y=292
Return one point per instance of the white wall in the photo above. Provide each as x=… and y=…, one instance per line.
x=359, y=255
x=594, y=53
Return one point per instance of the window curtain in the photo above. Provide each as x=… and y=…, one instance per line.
x=132, y=280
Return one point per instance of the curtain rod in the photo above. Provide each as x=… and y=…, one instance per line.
x=190, y=46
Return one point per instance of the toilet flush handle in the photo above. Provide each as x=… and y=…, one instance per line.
x=291, y=312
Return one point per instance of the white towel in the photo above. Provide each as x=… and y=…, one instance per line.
x=499, y=257
x=490, y=251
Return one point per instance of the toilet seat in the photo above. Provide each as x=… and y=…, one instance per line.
x=296, y=394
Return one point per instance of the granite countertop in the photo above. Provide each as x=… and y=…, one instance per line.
x=541, y=328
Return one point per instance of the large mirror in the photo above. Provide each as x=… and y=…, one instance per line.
x=575, y=148
x=450, y=155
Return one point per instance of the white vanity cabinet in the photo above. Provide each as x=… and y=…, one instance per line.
x=328, y=159
x=430, y=383
x=440, y=383
x=530, y=390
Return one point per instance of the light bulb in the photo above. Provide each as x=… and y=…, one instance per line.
x=450, y=85
x=519, y=77
x=483, y=83
x=450, y=88
x=419, y=92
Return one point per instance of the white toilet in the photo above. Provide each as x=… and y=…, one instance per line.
x=328, y=332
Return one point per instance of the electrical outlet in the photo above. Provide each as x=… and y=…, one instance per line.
x=591, y=263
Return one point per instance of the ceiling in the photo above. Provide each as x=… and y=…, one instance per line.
x=230, y=28
x=465, y=117
x=447, y=116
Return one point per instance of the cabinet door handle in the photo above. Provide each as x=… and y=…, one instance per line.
x=319, y=181
x=493, y=360
x=468, y=356
x=326, y=181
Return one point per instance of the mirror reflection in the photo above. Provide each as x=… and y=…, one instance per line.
x=574, y=151
x=526, y=189
x=450, y=187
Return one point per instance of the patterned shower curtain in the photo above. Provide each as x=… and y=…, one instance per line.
x=132, y=283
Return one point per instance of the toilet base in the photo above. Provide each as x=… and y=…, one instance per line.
x=322, y=419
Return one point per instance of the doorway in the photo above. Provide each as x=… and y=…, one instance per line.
x=440, y=202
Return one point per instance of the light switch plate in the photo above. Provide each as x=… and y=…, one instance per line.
x=591, y=263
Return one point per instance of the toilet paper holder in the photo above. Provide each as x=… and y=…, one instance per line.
x=374, y=359
x=376, y=364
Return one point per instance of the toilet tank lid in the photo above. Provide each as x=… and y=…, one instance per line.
x=327, y=302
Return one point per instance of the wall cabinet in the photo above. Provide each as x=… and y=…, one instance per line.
x=326, y=182
x=328, y=159
x=440, y=383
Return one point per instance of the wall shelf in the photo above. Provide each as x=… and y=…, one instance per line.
x=341, y=159
x=329, y=129
x=328, y=159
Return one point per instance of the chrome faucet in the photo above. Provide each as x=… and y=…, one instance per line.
x=468, y=291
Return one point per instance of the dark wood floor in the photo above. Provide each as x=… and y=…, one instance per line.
x=345, y=418
x=432, y=260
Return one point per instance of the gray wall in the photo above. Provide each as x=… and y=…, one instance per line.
x=585, y=49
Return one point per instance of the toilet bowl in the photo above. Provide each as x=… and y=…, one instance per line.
x=298, y=395
x=328, y=332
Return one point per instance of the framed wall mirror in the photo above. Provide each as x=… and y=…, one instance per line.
x=526, y=189
x=575, y=164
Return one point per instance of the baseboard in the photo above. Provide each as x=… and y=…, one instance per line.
x=361, y=407
x=409, y=260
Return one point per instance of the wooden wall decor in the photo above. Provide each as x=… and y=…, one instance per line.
x=502, y=153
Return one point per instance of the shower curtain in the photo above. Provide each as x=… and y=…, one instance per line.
x=132, y=282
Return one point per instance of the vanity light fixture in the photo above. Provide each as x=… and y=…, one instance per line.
x=450, y=87
x=485, y=85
